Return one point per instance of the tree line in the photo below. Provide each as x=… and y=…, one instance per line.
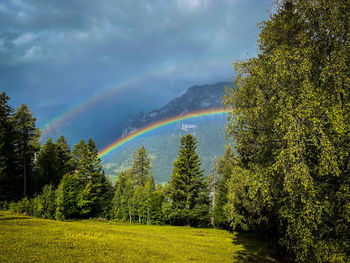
x=59, y=183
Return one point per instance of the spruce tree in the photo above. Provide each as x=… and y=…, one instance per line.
x=49, y=170
x=188, y=194
x=141, y=166
x=9, y=179
x=27, y=136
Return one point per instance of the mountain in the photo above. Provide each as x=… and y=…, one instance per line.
x=163, y=143
x=195, y=98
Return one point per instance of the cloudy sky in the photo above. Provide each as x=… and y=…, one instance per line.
x=84, y=66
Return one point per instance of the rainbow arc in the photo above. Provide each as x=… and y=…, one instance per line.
x=153, y=126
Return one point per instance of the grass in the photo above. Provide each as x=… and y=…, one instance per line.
x=27, y=239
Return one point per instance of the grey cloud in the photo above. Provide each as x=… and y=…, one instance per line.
x=56, y=53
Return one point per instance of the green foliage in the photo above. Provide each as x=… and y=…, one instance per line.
x=26, y=144
x=96, y=191
x=18, y=142
x=187, y=192
x=9, y=180
x=141, y=166
x=67, y=200
x=290, y=118
x=225, y=166
x=53, y=162
x=134, y=188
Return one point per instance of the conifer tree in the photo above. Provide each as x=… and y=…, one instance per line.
x=65, y=155
x=89, y=188
x=188, y=194
x=27, y=136
x=141, y=166
x=9, y=179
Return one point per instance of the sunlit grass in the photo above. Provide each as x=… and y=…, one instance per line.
x=27, y=239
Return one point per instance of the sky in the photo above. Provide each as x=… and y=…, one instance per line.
x=84, y=67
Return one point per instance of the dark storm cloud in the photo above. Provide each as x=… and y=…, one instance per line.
x=54, y=54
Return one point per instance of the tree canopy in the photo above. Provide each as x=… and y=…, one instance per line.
x=290, y=119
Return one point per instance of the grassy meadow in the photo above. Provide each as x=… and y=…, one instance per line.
x=27, y=239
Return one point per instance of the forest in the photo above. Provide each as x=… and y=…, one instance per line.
x=287, y=176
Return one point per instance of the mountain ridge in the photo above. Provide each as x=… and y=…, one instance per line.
x=198, y=97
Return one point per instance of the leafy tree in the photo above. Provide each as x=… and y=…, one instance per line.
x=133, y=190
x=124, y=189
x=225, y=167
x=188, y=194
x=44, y=205
x=290, y=119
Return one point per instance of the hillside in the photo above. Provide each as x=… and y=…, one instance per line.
x=162, y=144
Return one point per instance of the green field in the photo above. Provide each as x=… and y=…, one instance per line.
x=27, y=239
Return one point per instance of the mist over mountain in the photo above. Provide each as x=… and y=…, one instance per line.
x=162, y=144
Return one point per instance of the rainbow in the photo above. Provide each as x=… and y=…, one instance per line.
x=151, y=127
x=164, y=69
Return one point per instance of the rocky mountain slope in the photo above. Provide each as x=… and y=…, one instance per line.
x=195, y=98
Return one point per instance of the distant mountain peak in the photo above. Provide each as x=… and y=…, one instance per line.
x=195, y=98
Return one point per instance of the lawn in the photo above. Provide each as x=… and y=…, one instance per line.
x=27, y=239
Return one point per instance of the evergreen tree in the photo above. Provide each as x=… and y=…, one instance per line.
x=188, y=194
x=9, y=179
x=64, y=155
x=52, y=163
x=26, y=144
x=88, y=162
x=77, y=153
x=141, y=166
x=68, y=196
x=87, y=192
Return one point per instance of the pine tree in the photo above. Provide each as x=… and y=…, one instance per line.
x=64, y=155
x=94, y=192
x=9, y=180
x=27, y=136
x=141, y=166
x=188, y=194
